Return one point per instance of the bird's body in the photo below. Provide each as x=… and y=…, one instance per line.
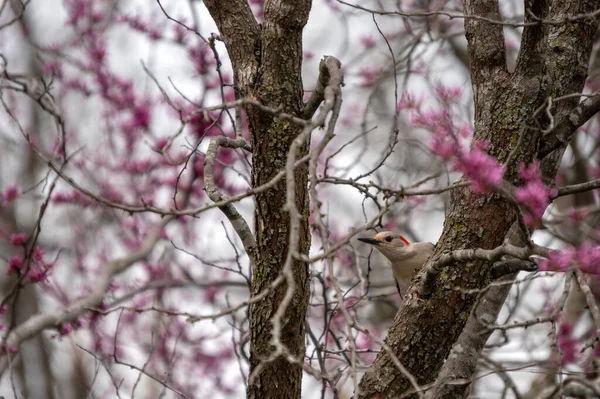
x=406, y=258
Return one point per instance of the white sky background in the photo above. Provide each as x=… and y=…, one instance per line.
x=325, y=34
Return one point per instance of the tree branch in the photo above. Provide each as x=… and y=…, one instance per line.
x=465, y=255
x=242, y=37
x=565, y=128
x=533, y=43
x=214, y=193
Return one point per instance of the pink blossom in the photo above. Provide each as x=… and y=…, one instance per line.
x=344, y=258
x=52, y=68
x=438, y=121
x=98, y=54
x=557, y=261
x=180, y=33
x=137, y=167
x=578, y=215
x=37, y=274
x=484, y=170
x=141, y=117
x=442, y=147
x=79, y=86
x=77, y=11
x=111, y=194
x=309, y=55
x=367, y=41
x=534, y=194
x=154, y=34
x=202, y=126
x=15, y=264
x=567, y=344
x=465, y=131
x=409, y=102
x=531, y=172
x=62, y=198
x=210, y=293
x=588, y=258
x=9, y=348
x=370, y=75
x=448, y=94
x=161, y=143
x=18, y=239
x=97, y=17
x=65, y=329
x=9, y=194
x=38, y=254
x=228, y=94
x=197, y=55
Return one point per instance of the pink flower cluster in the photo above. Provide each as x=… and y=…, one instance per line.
x=484, y=170
x=567, y=344
x=587, y=257
x=534, y=194
x=10, y=194
x=370, y=75
x=448, y=94
x=409, y=101
x=18, y=239
x=36, y=269
x=367, y=41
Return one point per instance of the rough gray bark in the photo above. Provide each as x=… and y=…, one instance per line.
x=267, y=64
x=552, y=62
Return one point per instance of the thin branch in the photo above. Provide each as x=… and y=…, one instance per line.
x=494, y=21
x=566, y=126
x=464, y=255
x=214, y=193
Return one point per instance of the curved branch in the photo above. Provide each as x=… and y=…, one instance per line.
x=561, y=135
x=214, y=193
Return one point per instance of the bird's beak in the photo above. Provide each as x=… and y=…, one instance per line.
x=371, y=241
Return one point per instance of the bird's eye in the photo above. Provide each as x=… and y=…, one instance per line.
x=389, y=238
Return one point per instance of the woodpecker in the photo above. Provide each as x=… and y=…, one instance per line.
x=406, y=258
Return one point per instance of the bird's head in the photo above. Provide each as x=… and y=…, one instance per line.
x=391, y=245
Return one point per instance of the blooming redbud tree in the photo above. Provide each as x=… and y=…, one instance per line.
x=182, y=187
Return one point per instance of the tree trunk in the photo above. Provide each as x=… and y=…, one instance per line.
x=267, y=63
x=552, y=62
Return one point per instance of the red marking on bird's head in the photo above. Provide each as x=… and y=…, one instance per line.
x=404, y=240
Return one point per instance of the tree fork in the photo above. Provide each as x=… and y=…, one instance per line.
x=424, y=329
x=267, y=63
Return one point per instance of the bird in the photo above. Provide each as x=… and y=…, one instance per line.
x=406, y=258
